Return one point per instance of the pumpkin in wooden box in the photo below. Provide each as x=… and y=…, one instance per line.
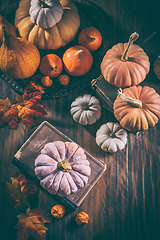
x=62, y=168
x=137, y=108
x=48, y=24
x=125, y=64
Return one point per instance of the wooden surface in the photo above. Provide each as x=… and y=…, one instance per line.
x=24, y=159
x=125, y=202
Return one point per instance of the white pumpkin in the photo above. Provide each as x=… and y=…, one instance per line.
x=111, y=137
x=86, y=109
x=45, y=13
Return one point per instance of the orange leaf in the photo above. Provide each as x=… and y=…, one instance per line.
x=10, y=116
x=32, y=223
x=4, y=106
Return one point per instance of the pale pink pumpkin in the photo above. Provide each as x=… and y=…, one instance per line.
x=62, y=168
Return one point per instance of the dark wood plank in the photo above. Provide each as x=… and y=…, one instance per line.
x=124, y=203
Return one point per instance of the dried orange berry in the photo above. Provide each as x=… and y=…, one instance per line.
x=63, y=79
x=58, y=211
x=46, y=81
x=82, y=218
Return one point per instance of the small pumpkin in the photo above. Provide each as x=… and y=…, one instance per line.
x=45, y=13
x=125, y=64
x=19, y=58
x=9, y=28
x=77, y=60
x=46, y=81
x=64, y=79
x=53, y=37
x=156, y=67
x=137, y=108
x=86, y=109
x=111, y=137
x=62, y=168
x=91, y=38
x=51, y=65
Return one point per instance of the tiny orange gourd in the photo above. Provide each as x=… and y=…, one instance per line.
x=63, y=79
x=46, y=81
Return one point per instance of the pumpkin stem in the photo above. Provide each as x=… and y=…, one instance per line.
x=133, y=102
x=112, y=134
x=64, y=166
x=5, y=33
x=43, y=4
x=80, y=51
x=91, y=38
x=55, y=69
x=86, y=107
x=132, y=38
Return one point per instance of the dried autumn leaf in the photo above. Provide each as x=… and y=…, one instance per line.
x=28, y=109
x=10, y=116
x=21, y=194
x=32, y=223
x=33, y=87
x=4, y=106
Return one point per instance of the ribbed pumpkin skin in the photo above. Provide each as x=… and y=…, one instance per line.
x=54, y=179
x=125, y=73
x=157, y=67
x=19, y=58
x=51, y=38
x=136, y=119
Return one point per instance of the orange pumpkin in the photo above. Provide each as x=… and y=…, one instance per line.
x=137, y=108
x=125, y=64
x=51, y=65
x=19, y=58
x=77, y=60
x=90, y=38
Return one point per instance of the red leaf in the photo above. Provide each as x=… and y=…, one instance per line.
x=28, y=121
x=29, y=109
x=21, y=190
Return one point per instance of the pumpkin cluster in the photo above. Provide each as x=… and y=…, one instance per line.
x=76, y=60
x=46, y=25
x=126, y=65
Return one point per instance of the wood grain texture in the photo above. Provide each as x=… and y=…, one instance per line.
x=125, y=202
